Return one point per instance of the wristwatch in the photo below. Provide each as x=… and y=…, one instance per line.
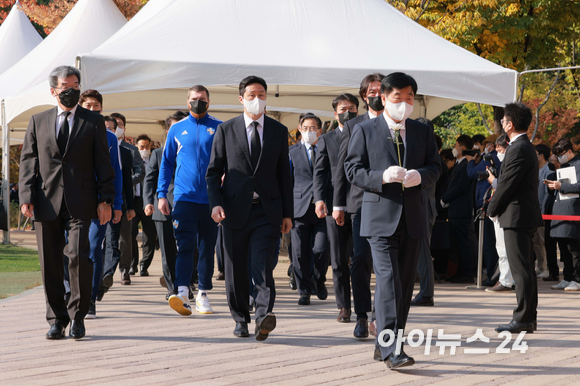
x=108, y=201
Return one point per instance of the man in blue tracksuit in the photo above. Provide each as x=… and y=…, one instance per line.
x=187, y=151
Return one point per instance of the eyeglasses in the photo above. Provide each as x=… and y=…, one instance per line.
x=63, y=89
x=504, y=121
x=311, y=128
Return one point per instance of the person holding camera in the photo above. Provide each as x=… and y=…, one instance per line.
x=477, y=170
x=515, y=203
x=459, y=203
x=567, y=232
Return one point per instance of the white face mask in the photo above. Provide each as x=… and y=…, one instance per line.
x=562, y=159
x=119, y=132
x=145, y=153
x=255, y=107
x=455, y=152
x=488, y=149
x=311, y=138
x=399, y=111
x=500, y=156
x=475, y=147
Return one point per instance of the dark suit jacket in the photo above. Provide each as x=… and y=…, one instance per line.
x=326, y=166
x=302, y=177
x=460, y=192
x=82, y=175
x=150, y=189
x=138, y=166
x=271, y=180
x=127, y=166
x=346, y=194
x=371, y=151
x=567, y=229
x=515, y=200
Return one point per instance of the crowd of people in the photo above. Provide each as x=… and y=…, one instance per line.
x=376, y=194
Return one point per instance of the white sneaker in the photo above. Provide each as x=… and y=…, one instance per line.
x=202, y=305
x=573, y=286
x=180, y=304
x=561, y=285
x=543, y=274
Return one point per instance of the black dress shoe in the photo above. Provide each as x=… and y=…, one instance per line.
x=535, y=325
x=57, y=331
x=304, y=300
x=423, y=302
x=264, y=326
x=377, y=355
x=132, y=271
x=397, y=361
x=144, y=273
x=516, y=327
x=552, y=278
x=77, y=329
x=321, y=291
x=488, y=283
x=292, y=282
x=361, y=330
x=241, y=330
x=100, y=295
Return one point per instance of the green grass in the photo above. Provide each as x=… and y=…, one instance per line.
x=19, y=270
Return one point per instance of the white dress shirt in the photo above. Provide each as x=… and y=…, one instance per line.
x=371, y=115
x=60, y=119
x=250, y=129
x=392, y=123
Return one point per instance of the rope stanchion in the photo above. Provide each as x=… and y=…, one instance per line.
x=559, y=217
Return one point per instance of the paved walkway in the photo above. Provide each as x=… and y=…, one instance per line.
x=138, y=340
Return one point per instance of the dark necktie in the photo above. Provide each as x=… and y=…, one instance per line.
x=63, y=134
x=256, y=147
x=312, y=156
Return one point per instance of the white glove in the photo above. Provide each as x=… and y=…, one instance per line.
x=394, y=174
x=495, y=219
x=444, y=205
x=412, y=178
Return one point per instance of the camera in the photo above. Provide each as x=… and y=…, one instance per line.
x=471, y=153
x=492, y=168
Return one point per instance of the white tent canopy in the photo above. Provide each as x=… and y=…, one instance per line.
x=308, y=52
x=17, y=37
x=25, y=88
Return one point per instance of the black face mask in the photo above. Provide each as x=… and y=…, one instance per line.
x=376, y=103
x=70, y=97
x=198, y=107
x=346, y=116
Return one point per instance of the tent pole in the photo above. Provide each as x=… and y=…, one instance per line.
x=5, y=171
x=541, y=70
x=78, y=63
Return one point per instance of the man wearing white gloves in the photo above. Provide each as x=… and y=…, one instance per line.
x=393, y=159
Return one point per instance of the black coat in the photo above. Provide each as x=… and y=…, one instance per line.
x=83, y=175
x=515, y=200
x=127, y=166
x=460, y=192
x=326, y=167
x=567, y=229
x=150, y=186
x=302, y=177
x=272, y=181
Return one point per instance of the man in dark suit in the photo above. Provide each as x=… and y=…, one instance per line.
x=309, y=240
x=163, y=223
x=339, y=236
x=350, y=196
x=393, y=159
x=515, y=202
x=66, y=180
x=459, y=203
x=254, y=203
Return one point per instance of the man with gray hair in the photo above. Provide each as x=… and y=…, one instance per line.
x=66, y=180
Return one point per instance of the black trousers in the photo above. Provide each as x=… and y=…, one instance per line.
x=466, y=244
x=570, y=255
x=259, y=237
x=518, y=243
x=309, y=246
x=118, y=247
x=551, y=250
x=361, y=268
x=395, y=262
x=52, y=248
x=340, y=247
x=219, y=249
x=168, y=250
x=149, y=236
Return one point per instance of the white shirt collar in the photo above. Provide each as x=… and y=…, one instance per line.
x=390, y=121
x=516, y=137
x=308, y=146
x=340, y=128
x=72, y=112
x=248, y=121
x=460, y=159
x=371, y=115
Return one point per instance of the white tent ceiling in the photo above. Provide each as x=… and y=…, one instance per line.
x=17, y=37
x=308, y=52
x=24, y=88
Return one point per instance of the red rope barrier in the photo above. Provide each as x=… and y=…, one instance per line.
x=563, y=218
